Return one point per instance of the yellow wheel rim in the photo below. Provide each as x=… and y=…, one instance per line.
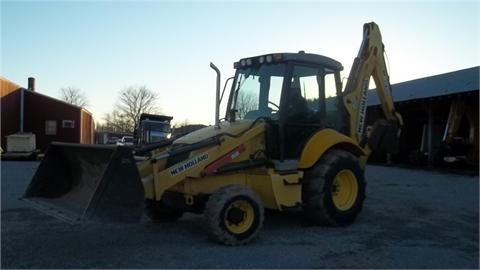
x=239, y=217
x=344, y=190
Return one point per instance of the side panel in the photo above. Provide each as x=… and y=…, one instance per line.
x=322, y=141
x=276, y=191
x=198, y=175
x=287, y=190
x=208, y=185
x=194, y=167
x=262, y=186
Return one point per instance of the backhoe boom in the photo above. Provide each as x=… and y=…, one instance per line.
x=370, y=63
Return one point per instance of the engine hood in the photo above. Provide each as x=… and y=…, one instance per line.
x=210, y=131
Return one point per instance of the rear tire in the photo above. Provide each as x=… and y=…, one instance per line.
x=334, y=189
x=233, y=215
x=159, y=212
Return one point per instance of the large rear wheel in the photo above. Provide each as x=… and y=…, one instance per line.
x=233, y=215
x=334, y=189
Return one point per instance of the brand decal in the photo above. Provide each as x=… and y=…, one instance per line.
x=363, y=109
x=187, y=165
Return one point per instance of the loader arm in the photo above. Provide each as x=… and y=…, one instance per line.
x=370, y=63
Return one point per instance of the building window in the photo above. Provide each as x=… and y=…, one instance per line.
x=68, y=123
x=50, y=127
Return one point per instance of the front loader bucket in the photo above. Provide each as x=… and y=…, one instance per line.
x=77, y=183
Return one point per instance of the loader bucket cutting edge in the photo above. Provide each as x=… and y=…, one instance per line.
x=87, y=183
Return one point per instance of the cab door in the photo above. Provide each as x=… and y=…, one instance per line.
x=303, y=108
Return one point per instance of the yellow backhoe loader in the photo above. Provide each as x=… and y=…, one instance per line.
x=291, y=138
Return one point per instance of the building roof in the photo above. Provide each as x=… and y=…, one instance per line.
x=464, y=80
x=8, y=86
x=56, y=100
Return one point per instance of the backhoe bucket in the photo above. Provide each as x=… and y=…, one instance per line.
x=77, y=183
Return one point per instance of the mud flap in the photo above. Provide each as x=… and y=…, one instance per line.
x=79, y=183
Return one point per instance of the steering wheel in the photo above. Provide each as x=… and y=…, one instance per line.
x=278, y=107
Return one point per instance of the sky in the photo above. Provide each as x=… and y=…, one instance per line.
x=103, y=47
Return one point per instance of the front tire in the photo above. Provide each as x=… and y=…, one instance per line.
x=334, y=189
x=233, y=215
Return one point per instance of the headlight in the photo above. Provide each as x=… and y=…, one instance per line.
x=243, y=62
x=268, y=58
x=249, y=61
x=261, y=59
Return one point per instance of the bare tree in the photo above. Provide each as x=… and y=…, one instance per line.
x=183, y=123
x=73, y=96
x=116, y=122
x=246, y=102
x=132, y=102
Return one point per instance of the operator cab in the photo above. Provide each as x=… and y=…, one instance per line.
x=296, y=93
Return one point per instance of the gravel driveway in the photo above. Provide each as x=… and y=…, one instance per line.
x=411, y=219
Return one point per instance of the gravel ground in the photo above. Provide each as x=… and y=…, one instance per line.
x=411, y=219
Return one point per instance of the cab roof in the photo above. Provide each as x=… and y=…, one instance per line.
x=301, y=57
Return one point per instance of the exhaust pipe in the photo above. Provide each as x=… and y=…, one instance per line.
x=217, y=96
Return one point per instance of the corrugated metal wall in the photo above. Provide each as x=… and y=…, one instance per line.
x=10, y=109
x=40, y=108
x=87, y=128
x=6, y=87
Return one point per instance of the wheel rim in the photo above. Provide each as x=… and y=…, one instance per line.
x=344, y=190
x=239, y=217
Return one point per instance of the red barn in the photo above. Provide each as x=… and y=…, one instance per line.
x=50, y=119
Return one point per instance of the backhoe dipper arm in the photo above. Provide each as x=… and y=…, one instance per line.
x=370, y=62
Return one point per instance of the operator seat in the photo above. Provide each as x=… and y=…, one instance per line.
x=297, y=108
x=297, y=115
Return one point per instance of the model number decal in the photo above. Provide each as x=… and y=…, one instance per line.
x=187, y=165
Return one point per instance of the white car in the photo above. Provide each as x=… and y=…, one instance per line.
x=126, y=141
